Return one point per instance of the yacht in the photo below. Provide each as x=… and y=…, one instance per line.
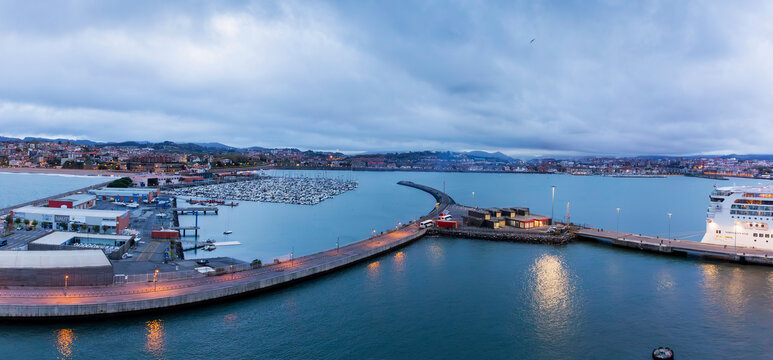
x=740, y=216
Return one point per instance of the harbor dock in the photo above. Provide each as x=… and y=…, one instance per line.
x=676, y=246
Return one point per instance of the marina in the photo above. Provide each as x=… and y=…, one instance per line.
x=286, y=190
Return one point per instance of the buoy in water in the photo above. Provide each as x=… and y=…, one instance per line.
x=663, y=353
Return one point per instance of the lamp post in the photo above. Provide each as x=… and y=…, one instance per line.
x=337, y=240
x=618, y=220
x=552, y=202
x=66, y=277
x=155, y=279
x=669, y=226
x=292, y=256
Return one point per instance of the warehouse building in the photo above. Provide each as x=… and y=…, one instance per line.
x=55, y=268
x=126, y=194
x=113, y=221
x=113, y=245
x=76, y=201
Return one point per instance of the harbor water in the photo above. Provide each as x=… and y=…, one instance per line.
x=453, y=298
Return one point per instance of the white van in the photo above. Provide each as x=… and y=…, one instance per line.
x=445, y=217
x=426, y=224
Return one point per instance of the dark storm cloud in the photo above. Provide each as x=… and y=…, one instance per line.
x=600, y=77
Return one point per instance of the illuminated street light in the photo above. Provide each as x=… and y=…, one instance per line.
x=669, y=226
x=155, y=279
x=618, y=220
x=66, y=277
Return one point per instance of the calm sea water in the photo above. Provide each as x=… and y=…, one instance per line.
x=20, y=188
x=456, y=298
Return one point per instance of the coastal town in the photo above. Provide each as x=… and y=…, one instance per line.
x=193, y=159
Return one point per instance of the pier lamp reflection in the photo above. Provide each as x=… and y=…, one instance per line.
x=64, y=341
x=155, y=338
x=553, y=296
x=399, y=261
x=373, y=269
x=726, y=288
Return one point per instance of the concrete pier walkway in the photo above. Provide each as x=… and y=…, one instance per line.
x=40, y=302
x=678, y=247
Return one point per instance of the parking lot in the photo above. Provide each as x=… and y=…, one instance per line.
x=18, y=239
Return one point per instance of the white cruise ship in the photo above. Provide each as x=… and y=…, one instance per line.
x=740, y=216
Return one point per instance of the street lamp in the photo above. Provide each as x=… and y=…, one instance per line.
x=669, y=226
x=292, y=253
x=552, y=202
x=155, y=279
x=618, y=220
x=66, y=277
x=337, y=240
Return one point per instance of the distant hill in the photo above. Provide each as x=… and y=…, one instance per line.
x=214, y=145
x=3, y=138
x=71, y=141
x=487, y=155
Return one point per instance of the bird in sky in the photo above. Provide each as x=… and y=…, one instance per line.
x=532, y=40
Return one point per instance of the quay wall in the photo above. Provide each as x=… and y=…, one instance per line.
x=193, y=295
x=695, y=249
x=511, y=236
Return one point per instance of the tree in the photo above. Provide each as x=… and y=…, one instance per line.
x=34, y=223
x=104, y=228
x=95, y=228
x=63, y=225
x=17, y=220
x=74, y=227
x=26, y=221
x=123, y=182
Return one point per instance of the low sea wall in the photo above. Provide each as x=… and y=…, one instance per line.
x=511, y=236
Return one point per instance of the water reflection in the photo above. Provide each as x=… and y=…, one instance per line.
x=436, y=253
x=553, y=297
x=64, y=341
x=725, y=287
x=373, y=270
x=155, y=342
x=399, y=261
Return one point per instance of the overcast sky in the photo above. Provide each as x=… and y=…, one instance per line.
x=606, y=77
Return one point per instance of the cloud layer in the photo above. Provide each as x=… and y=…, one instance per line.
x=607, y=77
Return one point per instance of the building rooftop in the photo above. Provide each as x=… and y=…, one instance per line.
x=61, y=237
x=122, y=191
x=78, y=198
x=52, y=259
x=71, y=212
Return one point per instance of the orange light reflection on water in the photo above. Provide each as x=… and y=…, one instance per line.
x=155, y=342
x=399, y=261
x=373, y=269
x=64, y=341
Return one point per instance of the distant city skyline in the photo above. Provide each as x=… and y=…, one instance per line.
x=650, y=78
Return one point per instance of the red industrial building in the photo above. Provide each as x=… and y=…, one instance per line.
x=76, y=201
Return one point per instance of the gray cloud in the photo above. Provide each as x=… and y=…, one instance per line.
x=656, y=77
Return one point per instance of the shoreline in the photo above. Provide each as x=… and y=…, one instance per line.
x=49, y=171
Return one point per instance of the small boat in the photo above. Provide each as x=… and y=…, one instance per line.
x=209, y=247
x=227, y=232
